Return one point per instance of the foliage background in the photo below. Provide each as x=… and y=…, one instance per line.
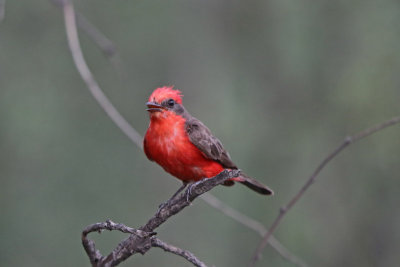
x=280, y=82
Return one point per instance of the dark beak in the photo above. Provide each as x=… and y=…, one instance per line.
x=154, y=107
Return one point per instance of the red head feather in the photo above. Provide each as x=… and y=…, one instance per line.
x=166, y=92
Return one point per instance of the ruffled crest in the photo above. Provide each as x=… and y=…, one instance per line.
x=166, y=92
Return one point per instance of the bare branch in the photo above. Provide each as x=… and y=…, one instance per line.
x=87, y=76
x=348, y=140
x=89, y=245
x=140, y=240
x=155, y=242
x=175, y=205
x=96, y=257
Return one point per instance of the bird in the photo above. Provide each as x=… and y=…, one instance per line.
x=184, y=147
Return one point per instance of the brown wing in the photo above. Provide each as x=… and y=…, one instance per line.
x=211, y=147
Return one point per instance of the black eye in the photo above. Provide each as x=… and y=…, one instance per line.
x=171, y=102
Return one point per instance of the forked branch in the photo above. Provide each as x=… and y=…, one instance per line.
x=142, y=239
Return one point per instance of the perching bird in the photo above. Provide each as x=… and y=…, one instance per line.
x=184, y=146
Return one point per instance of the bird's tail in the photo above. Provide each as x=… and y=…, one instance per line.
x=253, y=184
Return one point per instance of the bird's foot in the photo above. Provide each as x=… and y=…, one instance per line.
x=163, y=205
x=190, y=188
x=168, y=202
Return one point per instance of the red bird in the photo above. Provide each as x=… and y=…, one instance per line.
x=184, y=146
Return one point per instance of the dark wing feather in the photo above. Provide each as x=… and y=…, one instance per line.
x=211, y=147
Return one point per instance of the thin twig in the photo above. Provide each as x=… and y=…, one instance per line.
x=87, y=76
x=155, y=242
x=348, y=141
x=105, y=44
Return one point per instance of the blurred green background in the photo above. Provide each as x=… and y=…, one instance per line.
x=280, y=82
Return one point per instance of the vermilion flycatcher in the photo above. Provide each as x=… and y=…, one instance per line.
x=184, y=146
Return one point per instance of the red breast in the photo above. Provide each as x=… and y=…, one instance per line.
x=167, y=143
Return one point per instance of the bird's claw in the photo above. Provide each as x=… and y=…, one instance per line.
x=189, y=190
x=162, y=206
